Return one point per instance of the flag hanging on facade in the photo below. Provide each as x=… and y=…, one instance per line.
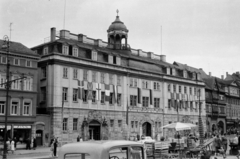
x=139, y=95
x=90, y=89
x=150, y=95
x=107, y=92
x=80, y=89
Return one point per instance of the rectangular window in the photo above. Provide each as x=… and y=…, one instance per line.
x=75, y=51
x=14, y=108
x=145, y=101
x=65, y=72
x=65, y=50
x=43, y=94
x=44, y=72
x=132, y=124
x=65, y=124
x=174, y=88
x=28, y=63
x=2, y=80
x=4, y=60
x=85, y=95
x=102, y=97
x=75, y=92
x=131, y=82
x=156, y=102
x=156, y=86
x=45, y=51
x=190, y=90
x=75, y=123
x=195, y=91
x=94, y=97
x=75, y=73
x=119, y=98
x=191, y=106
x=26, y=108
x=169, y=104
x=136, y=124
x=169, y=88
x=111, y=79
x=28, y=84
x=94, y=76
x=16, y=84
x=180, y=89
x=2, y=107
x=135, y=82
x=119, y=123
x=85, y=75
x=145, y=84
x=102, y=78
x=133, y=100
x=119, y=80
x=16, y=62
x=111, y=98
x=111, y=123
x=65, y=93
x=185, y=89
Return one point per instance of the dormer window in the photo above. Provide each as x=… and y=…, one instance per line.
x=45, y=50
x=4, y=60
x=94, y=55
x=65, y=50
x=75, y=51
x=16, y=62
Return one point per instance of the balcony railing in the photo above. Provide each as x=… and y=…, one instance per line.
x=119, y=46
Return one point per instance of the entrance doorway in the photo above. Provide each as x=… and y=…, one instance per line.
x=39, y=134
x=146, y=129
x=94, y=130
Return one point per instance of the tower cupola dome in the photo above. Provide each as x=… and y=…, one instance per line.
x=117, y=25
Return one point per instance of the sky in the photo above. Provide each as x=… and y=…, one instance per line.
x=200, y=33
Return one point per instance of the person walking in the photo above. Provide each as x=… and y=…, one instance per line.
x=217, y=143
x=34, y=143
x=15, y=143
x=223, y=141
x=55, y=144
x=28, y=144
x=12, y=147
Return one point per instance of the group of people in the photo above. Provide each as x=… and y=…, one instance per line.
x=11, y=145
x=31, y=143
x=219, y=144
x=54, y=144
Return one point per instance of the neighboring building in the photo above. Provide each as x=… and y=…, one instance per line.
x=102, y=85
x=233, y=100
x=22, y=94
x=215, y=104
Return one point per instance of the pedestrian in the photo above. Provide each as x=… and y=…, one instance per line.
x=15, y=143
x=52, y=148
x=55, y=144
x=12, y=148
x=138, y=137
x=217, y=143
x=224, y=144
x=81, y=140
x=8, y=145
x=34, y=143
x=28, y=144
x=78, y=138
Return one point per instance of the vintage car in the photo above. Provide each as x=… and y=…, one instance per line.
x=105, y=149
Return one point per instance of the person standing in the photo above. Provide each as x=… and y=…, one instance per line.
x=78, y=138
x=15, y=143
x=28, y=144
x=217, y=145
x=12, y=148
x=34, y=143
x=55, y=144
x=224, y=144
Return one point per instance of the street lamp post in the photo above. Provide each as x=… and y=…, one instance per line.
x=6, y=46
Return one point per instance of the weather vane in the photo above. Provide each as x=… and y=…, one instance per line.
x=117, y=12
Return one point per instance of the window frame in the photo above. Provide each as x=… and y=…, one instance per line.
x=65, y=72
x=75, y=124
x=16, y=107
x=14, y=62
x=25, y=106
x=2, y=107
x=75, y=95
x=64, y=93
x=28, y=62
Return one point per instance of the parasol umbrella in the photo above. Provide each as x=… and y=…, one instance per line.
x=178, y=126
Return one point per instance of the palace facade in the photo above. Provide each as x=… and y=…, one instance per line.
x=108, y=90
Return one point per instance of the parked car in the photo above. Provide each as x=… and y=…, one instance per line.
x=108, y=149
x=147, y=139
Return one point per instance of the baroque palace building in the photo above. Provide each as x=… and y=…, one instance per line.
x=108, y=90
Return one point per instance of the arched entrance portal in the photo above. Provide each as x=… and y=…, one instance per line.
x=146, y=129
x=221, y=126
x=94, y=130
x=39, y=139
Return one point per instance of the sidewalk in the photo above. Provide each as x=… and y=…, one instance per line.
x=37, y=151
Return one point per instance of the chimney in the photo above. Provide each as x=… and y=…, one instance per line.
x=210, y=74
x=65, y=34
x=53, y=34
x=163, y=58
x=222, y=77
